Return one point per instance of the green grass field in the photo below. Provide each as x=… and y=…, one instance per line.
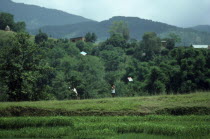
x=196, y=103
x=163, y=117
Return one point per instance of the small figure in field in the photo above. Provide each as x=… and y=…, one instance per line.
x=113, y=90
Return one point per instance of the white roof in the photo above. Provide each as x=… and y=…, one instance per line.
x=200, y=46
x=83, y=53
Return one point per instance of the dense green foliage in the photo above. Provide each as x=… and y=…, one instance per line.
x=106, y=127
x=50, y=69
x=120, y=28
x=7, y=19
x=22, y=70
x=41, y=37
x=90, y=37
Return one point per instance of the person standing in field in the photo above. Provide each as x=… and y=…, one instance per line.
x=113, y=90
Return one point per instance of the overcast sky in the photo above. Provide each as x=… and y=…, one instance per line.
x=183, y=13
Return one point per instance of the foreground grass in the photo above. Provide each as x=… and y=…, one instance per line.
x=197, y=103
x=106, y=127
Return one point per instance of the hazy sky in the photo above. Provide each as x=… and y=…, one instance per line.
x=183, y=13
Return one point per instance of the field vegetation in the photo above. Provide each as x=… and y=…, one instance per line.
x=168, y=98
x=34, y=68
x=106, y=127
x=183, y=104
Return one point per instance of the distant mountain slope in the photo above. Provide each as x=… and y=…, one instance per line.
x=136, y=26
x=36, y=16
x=203, y=28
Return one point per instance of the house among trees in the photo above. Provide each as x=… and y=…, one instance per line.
x=201, y=46
x=7, y=28
x=163, y=43
x=77, y=39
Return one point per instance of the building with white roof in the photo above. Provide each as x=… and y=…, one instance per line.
x=201, y=46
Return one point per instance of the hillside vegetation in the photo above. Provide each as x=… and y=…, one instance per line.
x=202, y=28
x=5, y=35
x=197, y=103
x=59, y=24
x=36, y=17
x=137, y=28
x=48, y=69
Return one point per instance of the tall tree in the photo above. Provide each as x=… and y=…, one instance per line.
x=175, y=37
x=149, y=47
x=90, y=37
x=6, y=19
x=120, y=28
x=20, y=26
x=20, y=69
x=155, y=83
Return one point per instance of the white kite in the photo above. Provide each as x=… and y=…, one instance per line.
x=75, y=91
x=130, y=79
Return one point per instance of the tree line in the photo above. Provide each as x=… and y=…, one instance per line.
x=7, y=19
x=46, y=68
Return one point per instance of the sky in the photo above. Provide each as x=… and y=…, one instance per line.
x=182, y=13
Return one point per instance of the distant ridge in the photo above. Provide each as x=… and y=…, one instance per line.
x=59, y=24
x=137, y=27
x=203, y=28
x=36, y=17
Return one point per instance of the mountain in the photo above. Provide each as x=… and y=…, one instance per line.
x=59, y=24
x=203, y=28
x=137, y=27
x=36, y=17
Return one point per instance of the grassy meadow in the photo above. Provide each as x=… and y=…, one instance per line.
x=196, y=103
x=164, y=116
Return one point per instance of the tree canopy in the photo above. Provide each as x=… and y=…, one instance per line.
x=7, y=19
x=51, y=68
x=120, y=28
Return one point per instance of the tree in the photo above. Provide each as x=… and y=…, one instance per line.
x=116, y=40
x=170, y=44
x=20, y=26
x=80, y=45
x=120, y=28
x=6, y=19
x=155, y=82
x=90, y=37
x=175, y=37
x=41, y=37
x=149, y=47
x=20, y=69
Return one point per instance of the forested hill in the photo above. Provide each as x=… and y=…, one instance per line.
x=203, y=28
x=35, y=16
x=137, y=28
